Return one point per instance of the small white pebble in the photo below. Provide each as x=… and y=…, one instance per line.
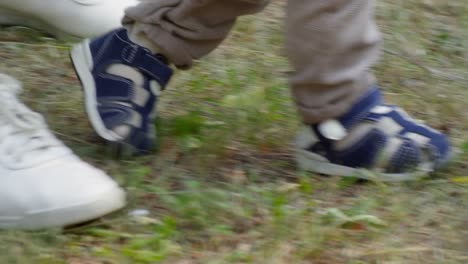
x=139, y=212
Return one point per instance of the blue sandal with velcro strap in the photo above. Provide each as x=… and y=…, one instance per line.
x=372, y=139
x=121, y=82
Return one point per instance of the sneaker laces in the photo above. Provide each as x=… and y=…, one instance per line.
x=24, y=133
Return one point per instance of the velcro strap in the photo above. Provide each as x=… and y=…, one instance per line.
x=151, y=66
x=361, y=108
x=336, y=129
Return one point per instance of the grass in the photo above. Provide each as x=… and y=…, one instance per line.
x=223, y=186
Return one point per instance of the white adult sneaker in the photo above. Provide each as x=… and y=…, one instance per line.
x=80, y=18
x=42, y=183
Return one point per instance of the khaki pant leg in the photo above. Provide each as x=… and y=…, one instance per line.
x=331, y=45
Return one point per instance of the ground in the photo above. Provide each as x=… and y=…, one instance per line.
x=223, y=186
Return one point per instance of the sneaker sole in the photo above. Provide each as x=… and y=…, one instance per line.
x=108, y=202
x=315, y=163
x=12, y=18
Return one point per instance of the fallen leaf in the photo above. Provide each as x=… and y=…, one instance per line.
x=462, y=180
